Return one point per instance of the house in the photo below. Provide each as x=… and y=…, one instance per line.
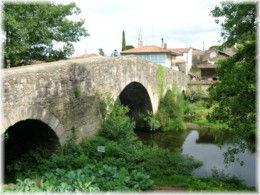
x=187, y=59
x=208, y=64
x=155, y=54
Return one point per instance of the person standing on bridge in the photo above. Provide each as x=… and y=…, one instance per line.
x=115, y=53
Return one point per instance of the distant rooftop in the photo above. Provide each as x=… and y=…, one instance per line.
x=186, y=50
x=149, y=49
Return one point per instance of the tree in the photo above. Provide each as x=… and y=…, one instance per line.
x=123, y=41
x=32, y=31
x=234, y=95
x=101, y=52
x=239, y=21
x=129, y=47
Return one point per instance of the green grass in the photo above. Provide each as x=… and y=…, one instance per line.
x=199, y=112
x=191, y=183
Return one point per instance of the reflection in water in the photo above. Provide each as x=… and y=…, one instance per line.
x=201, y=148
x=213, y=157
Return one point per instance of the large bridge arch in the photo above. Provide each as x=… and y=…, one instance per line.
x=26, y=132
x=41, y=115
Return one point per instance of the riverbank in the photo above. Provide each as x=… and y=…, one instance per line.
x=124, y=167
x=126, y=164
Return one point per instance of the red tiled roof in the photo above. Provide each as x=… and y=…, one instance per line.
x=186, y=50
x=148, y=49
x=179, y=50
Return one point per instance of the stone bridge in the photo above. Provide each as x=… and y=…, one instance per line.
x=57, y=97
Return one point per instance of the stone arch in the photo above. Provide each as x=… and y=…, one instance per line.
x=136, y=97
x=42, y=115
x=24, y=137
x=153, y=96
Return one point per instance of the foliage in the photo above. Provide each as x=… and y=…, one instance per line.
x=152, y=121
x=236, y=96
x=202, y=184
x=129, y=47
x=76, y=91
x=32, y=31
x=198, y=112
x=117, y=125
x=123, y=41
x=195, y=93
x=170, y=112
x=238, y=21
x=101, y=52
x=127, y=165
x=160, y=80
x=235, y=93
x=87, y=179
x=218, y=47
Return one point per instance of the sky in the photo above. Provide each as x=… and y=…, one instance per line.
x=181, y=24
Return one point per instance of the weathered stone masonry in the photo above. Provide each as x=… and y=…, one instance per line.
x=66, y=94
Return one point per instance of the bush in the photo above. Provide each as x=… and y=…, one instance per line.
x=152, y=121
x=88, y=179
x=117, y=125
x=171, y=111
x=175, y=124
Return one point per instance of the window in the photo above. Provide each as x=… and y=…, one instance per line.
x=156, y=58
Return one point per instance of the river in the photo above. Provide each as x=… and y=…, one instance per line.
x=203, y=149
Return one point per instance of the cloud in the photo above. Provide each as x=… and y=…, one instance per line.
x=181, y=23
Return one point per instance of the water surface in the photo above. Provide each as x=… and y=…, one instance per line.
x=203, y=149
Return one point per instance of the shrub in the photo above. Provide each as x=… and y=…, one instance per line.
x=171, y=111
x=152, y=121
x=117, y=125
x=175, y=124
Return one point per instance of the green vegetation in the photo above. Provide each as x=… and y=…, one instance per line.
x=152, y=121
x=124, y=46
x=234, y=96
x=123, y=41
x=126, y=165
x=101, y=52
x=33, y=30
x=209, y=184
x=198, y=112
x=76, y=92
x=170, y=112
x=129, y=47
x=117, y=125
x=160, y=80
